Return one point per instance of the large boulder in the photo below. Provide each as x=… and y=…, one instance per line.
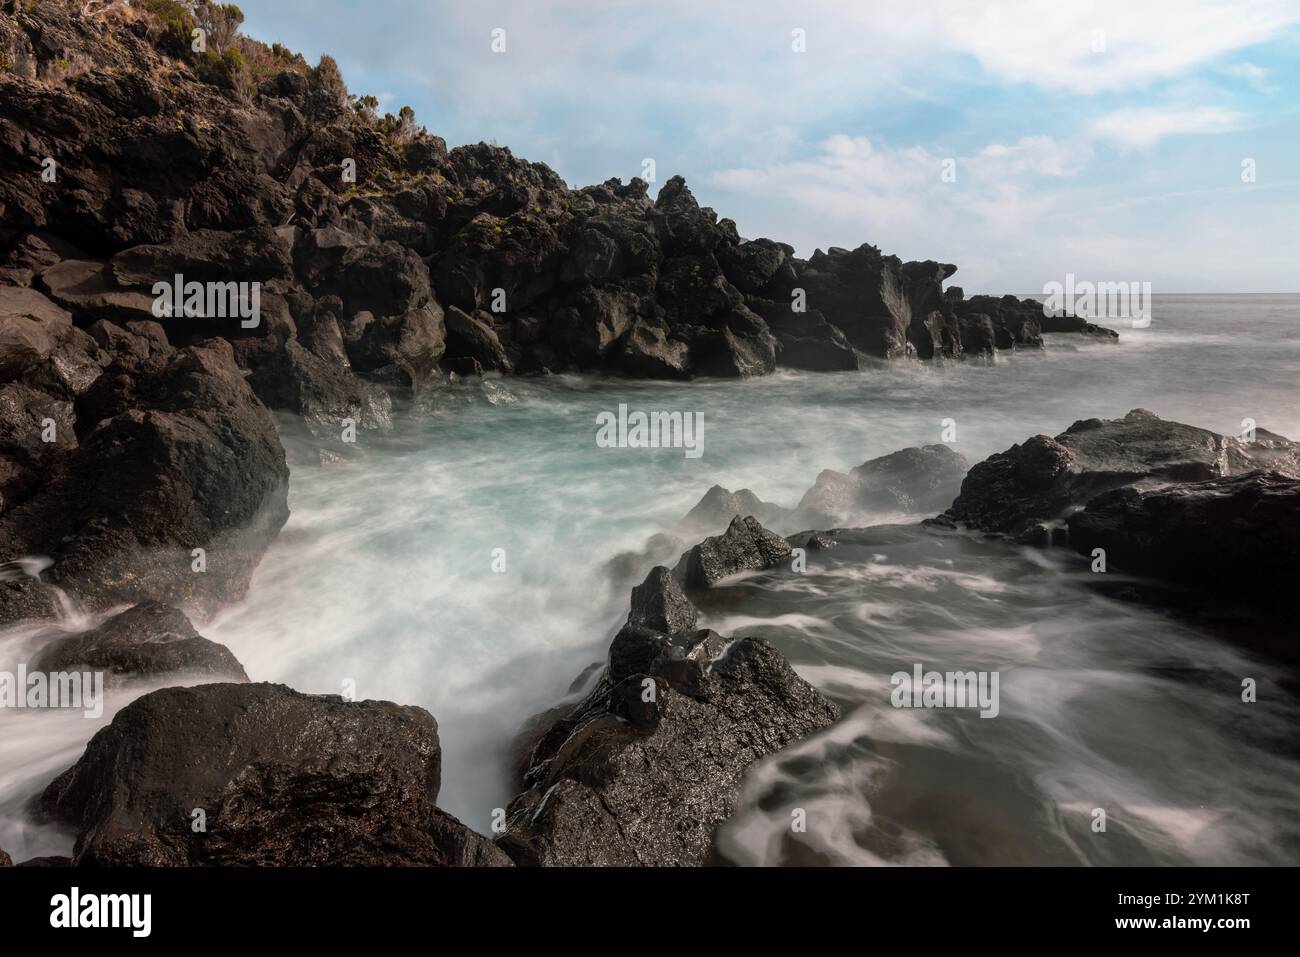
x=648, y=352
x=473, y=338
x=1016, y=323
x=173, y=454
x=322, y=392
x=727, y=354
x=1236, y=536
x=138, y=340
x=745, y=546
x=516, y=258
x=86, y=289
x=277, y=778
x=404, y=348
x=978, y=337
x=882, y=305
x=688, y=227
x=19, y=302
x=588, y=329
x=147, y=640
x=751, y=266
x=915, y=480
x=646, y=767
x=808, y=341
x=383, y=279
x=48, y=354
x=1042, y=479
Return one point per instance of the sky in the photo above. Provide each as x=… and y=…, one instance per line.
x=1132, y=141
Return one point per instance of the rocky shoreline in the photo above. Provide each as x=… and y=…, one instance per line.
x=645, y=767
x=138, y=454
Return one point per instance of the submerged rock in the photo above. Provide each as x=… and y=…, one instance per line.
x=646, y=767
x=5, y=861
x=280, y=778
x=142, y=642
x=1044, y=478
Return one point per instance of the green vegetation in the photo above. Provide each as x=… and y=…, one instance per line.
x=226, y=69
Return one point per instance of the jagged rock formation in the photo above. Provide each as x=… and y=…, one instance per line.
x=157, y=457
x=643, y=770
x=1041, y=480
x=165, y=166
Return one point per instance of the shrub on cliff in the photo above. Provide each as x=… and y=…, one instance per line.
x=327, y=78
x=226, y=69
x=171, y=27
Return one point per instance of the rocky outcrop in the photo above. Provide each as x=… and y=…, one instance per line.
x=1016, y=323
x=744, y=546
x=1042, y=479
x=258, y=168
x=915, y=480
x=145, y=641
x=1236, y=536
x=646, y=767
x=719, y=506
x=166, y=455
x=5, y=860
x=323, y=393
x=260, y=775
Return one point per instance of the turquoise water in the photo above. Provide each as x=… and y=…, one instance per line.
x=384, y=582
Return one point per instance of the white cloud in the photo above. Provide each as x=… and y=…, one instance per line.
x=1256, y=76
x=1051, y=44
x=1140, y=129
x=853, y=191
x=1016, y=217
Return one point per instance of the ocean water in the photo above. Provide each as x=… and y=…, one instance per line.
x=461, y=563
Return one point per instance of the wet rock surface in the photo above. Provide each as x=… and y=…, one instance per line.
x=171, y=454
x=643, y=770
x=745, y=546
x=1043, y=478
x=145, y=641
x=282, y=778
x=1236, y=536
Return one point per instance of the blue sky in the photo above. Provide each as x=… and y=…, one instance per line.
x=1105, y=139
